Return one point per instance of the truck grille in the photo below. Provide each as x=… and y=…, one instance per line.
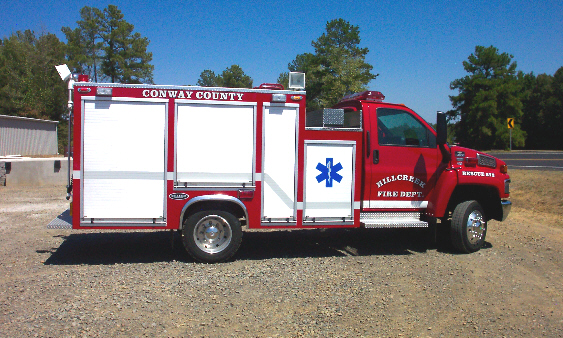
x=486, y=161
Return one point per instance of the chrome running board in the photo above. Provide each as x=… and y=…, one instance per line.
x=392, y=220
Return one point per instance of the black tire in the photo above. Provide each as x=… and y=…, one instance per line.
x=212, y=236
x=469, y=227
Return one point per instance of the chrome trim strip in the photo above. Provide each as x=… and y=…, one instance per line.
x=193, y=88
x=213, y=188
x=328, y=220
x=395, y=204
x=126, y=99
x=334, y=129
x=227, y=103
x=119, y=223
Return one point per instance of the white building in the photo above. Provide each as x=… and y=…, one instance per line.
x=27, y=136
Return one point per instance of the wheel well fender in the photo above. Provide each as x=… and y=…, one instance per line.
x=488, y=197
x=214, y=202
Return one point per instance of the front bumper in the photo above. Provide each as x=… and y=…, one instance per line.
x=506, y=206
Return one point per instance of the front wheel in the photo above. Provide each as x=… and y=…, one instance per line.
x=469, y=227
x=212, y=236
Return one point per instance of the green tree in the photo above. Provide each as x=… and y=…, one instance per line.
x=283, y=79
x=232, y=77
x=337, y=68
x=125, y=58
x=487, y=97
x=207, y=78
x=543, y=104
x=104, y=38
x=29, y=83
x=84, y=43
x=555, y=118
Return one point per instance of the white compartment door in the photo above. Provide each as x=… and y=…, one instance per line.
x=329, y=181
x=124, y=160
x=215, y=144
x=279, y=163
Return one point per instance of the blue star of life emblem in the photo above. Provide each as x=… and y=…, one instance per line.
x=329, y=172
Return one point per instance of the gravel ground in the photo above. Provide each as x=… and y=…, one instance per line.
x=335, y=283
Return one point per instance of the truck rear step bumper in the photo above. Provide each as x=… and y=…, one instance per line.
x=63, y=221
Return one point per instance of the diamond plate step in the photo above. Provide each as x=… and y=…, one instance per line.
x=63, y=221
x=392, y=220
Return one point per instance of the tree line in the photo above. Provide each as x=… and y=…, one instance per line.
x=494, y=91
x=105, y=46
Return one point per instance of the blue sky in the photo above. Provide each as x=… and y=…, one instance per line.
x=417, y=47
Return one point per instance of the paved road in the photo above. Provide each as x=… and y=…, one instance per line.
x=531, y=160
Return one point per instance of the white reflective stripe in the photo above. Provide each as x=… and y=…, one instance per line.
x=76, y=174
x=258, y=177
x=395, y=204
x=357, y=205
x=169, y=176
x=123, y=175
x=299, y=205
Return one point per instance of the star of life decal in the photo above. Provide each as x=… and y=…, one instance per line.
x=329, y=172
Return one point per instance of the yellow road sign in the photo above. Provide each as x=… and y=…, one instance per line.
x=510, y=122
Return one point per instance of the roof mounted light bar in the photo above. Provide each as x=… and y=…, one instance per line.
x=367, y=95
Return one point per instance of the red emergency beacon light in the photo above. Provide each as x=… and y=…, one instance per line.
x=366, y=95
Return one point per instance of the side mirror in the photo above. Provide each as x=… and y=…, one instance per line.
x=442, y=128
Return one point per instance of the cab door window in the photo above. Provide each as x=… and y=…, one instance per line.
x=400, y=128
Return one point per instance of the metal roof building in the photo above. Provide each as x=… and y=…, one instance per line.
x=27, y=136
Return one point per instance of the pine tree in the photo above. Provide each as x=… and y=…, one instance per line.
x=337, y=68
x=232, y=77
x=105, y=46
x=487, y=98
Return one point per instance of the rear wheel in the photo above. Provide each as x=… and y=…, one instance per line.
x=469, y=227
x=212, y=236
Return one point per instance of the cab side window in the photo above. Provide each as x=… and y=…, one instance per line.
x=400, y=128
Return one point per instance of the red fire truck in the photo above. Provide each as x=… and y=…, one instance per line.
x=209, y=161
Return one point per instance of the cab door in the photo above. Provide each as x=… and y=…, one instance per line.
x=403, y=159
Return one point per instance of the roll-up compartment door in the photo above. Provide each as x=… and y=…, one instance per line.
x=215, y=144
x=124, y=160
x=279, y=164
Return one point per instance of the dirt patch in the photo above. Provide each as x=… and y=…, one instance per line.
x=333, y=283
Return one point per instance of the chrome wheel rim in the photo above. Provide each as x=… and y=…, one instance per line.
x=212, y=234
x=476, y=227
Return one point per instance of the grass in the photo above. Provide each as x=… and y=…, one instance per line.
x=538, y=191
